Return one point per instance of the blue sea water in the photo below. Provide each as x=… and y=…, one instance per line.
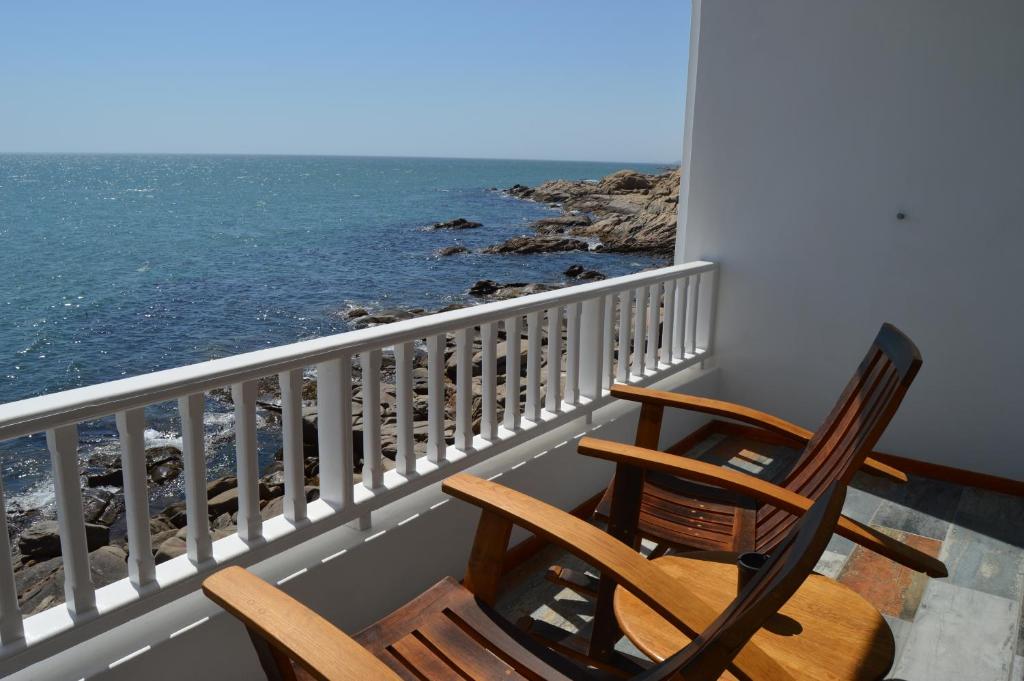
x=116, y=265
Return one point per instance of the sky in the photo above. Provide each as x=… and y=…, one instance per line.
x=555, y=79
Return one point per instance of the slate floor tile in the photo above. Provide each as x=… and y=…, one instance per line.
x=959, y=634
x=895, y=590
x=980, y=562
x=925, y=508
x=900, y=632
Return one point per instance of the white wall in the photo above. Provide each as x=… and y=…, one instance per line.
x=813, y=124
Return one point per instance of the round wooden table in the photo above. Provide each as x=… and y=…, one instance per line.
x=825, y=631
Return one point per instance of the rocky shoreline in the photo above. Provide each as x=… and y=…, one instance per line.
x=624, y=212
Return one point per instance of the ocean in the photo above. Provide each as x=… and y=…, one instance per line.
x=117, y=265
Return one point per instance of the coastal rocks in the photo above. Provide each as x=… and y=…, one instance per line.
x=583, y=274
x=627, y=211
x=388, y=316
x=451, y=250
x=41, y=585
x=625, y=181
x=457, y=223
x=559, y=224
x=491, y=288
x=356, y=312
x=41, y=541
x=525, y=245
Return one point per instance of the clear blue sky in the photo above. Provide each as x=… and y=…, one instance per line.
x=556, y=79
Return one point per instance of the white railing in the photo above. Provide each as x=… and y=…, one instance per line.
x=665, y=322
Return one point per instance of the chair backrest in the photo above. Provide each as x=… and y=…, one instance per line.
x=708, y=655
x=852, y=429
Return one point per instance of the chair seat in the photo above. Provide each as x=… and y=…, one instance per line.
x=825, y=630
x=446, y=633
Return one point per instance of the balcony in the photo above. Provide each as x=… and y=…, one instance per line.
x=378, y=530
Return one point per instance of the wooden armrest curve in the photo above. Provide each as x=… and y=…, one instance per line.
x=318, y=646
x=762, y=490
x=644, y=579
x=738, y=412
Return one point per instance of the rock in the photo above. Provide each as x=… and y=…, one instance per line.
x=227, y=501
x=559, y=224
x=175, y=546
x=574, y=271
x=158, y=524
x=165, y=471
x=41, y=585
x=486, y=287
x=111, y=477
x=387, y=317
x=175, y=514
x=524, y=245
x=625, y=181
x=457, y=223
x=41, y=541
x=94, y=502
x=490, y=288
x=215, y=487
x=356, y=312
x=452, y=250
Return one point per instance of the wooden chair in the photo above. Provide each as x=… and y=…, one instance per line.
x=689, y=505
x=451, y=631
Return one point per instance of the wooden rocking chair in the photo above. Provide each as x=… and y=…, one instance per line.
x=451, y=631
x=686, y=504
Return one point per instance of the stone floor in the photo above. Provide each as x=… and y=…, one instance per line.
x=968, y=626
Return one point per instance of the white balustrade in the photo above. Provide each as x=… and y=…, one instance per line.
x=662, y=317
x=291, y=441
x=513, y=371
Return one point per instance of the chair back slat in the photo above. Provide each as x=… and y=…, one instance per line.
x=708, y=655
x=852, y=429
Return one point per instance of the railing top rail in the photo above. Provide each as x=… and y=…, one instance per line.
x=37, y=414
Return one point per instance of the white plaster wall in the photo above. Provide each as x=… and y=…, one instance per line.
x=813, y=124
x=376, y=574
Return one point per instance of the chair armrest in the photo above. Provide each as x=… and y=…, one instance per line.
x=290, y=627
x=743, y=414
x=762, y=490
x=644, y=579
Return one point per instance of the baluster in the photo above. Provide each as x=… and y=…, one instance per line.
x=464, y=389
x=639, y=332
x=250, y=523
x=679, y=332
x=712, y=308
x=11, y=627
x=291, y=441
x=78, y=589
x=653, y=320
x=198, y=544
x=489, y=381
x=334, y=431
x=131, y=428
x=693, y=312
x=590, y=340
x=405, y=460
x=373, y=468
x=513, y=369
x=625, y=324
x=572, y=353
x=608, y=331
x=553, y=395
x=436, y=445
x=533, y=367
x=668, y=325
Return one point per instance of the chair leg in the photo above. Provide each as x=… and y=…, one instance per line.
x=275, y=664
x=659, y=551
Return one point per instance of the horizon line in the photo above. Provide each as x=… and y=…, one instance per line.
x=307, y=155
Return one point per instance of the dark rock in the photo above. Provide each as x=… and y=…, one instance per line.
x=112, y=477
x=165, y=471
x=94, y=502
x=42, y=540
x=524, y=245
x=452, y=250
x=574, y=271
x=355, y=312
x=590, y=275
x=457, y=223
x=559, y=224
